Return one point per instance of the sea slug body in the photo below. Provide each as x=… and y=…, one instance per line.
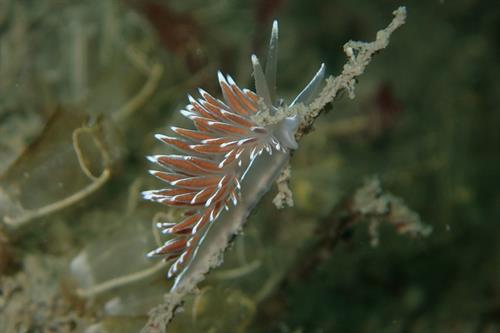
x=224, y=165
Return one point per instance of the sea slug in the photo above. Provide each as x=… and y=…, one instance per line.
x=225, y=164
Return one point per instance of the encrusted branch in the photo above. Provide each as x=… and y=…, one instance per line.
x=359, y=55
x=285, y=195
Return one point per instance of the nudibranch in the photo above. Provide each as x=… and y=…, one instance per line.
x=225, y=164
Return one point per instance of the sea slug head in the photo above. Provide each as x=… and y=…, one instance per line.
x=285, y=131
x=265, y=86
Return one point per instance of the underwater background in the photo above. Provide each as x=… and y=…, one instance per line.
x=85, y=85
